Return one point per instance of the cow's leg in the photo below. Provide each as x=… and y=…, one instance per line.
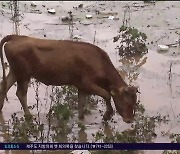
x=109, y=111
x=97, y=90
x=82, y=101
x=3, y=92
x=104, y=94
x=22, y=87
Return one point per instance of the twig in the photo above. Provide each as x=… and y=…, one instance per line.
x=126, y=19
x=174, y=28
x=173, y=43
x=70, y=25
x=94, y=37
x=172, y=110
x=15, y=16
x=172, y=127
x=170, y=77
x=49, y=115
x=27, y=28
x=161, y=38
x=170, y=71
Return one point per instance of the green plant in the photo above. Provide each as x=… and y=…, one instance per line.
x=131, y=40
x=81, y=126
x=142, y=129
x=60, y=111
x=171, y=152
x=26, y=131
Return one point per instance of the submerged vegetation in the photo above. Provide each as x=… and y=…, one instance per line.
x=57, y=127
x=132, y=41
x=142, y=129
x=63, y=105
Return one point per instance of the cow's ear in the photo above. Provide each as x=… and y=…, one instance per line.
x=114, y=90
x=112, y=93
x=131, y=90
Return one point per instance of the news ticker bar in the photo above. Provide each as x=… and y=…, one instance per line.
x=89, y=146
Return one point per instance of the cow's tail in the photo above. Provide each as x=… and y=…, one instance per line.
x=4, y=40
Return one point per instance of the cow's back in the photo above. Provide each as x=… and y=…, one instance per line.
x=61, y=60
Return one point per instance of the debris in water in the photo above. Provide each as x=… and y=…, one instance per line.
x=86, y=23
x=80, y=152
x=52, y=11
x=65, y=18
x=149, y=1
x=163, y=47
x=36, y=11
x=174, y=44
x=116, y=38
x=106, y=13
x=80, y=6
x=113, y=18
x=33, y=4
x=75, y=8
x=77, y=38
x=3, y=5
x=88, y=16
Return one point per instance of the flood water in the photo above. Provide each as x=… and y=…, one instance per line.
x=160, y=94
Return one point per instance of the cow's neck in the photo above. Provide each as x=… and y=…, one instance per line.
x=116, y=80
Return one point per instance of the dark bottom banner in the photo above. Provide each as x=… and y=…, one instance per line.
x=89, y=146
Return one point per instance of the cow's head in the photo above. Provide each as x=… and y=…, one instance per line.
x=125, y=101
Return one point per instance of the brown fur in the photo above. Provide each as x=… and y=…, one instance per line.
x=64, y=62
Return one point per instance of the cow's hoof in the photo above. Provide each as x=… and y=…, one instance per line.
x=107, y=116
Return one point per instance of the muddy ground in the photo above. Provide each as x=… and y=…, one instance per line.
x=160, y=91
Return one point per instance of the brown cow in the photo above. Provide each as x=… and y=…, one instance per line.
x=64, y=62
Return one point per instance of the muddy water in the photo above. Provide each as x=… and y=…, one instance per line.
x=159, y=94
